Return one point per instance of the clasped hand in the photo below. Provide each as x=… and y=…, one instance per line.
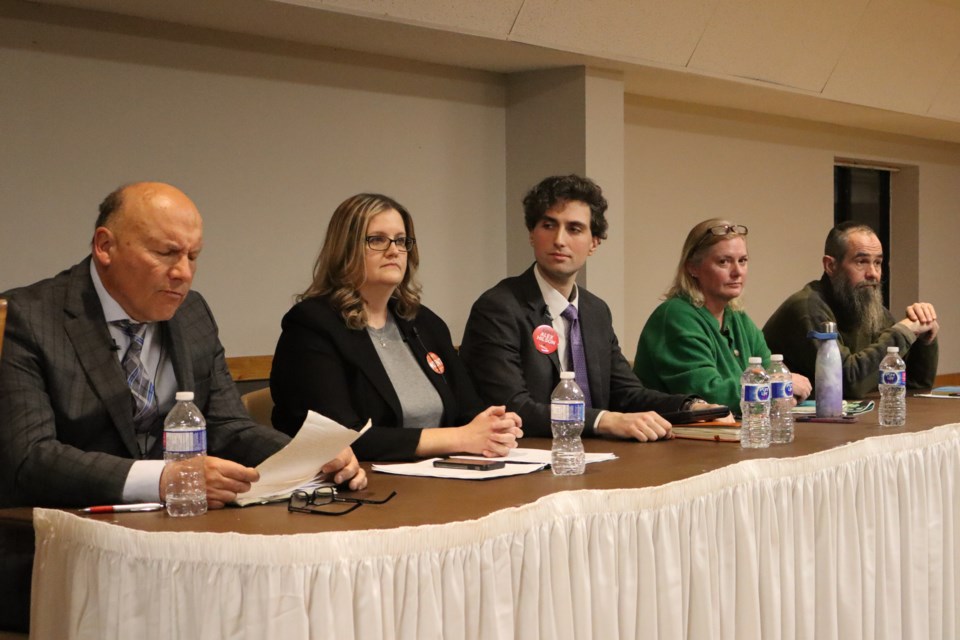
x=493, y=432
x=922, y=320
x=801, y=386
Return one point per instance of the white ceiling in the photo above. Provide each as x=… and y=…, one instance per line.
x=886, y=65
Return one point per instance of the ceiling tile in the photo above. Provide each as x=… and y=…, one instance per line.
x=898, y=57
x=907, y=83
x=795, y=43
x=661, y=31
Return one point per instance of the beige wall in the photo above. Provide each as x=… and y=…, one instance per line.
x=686, y=163
x=267, y=138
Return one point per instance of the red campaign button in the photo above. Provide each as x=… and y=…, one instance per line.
x=435, y=363
x=545, y=339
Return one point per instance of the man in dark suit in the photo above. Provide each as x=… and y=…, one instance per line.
x=68, y=431
x=518, y=340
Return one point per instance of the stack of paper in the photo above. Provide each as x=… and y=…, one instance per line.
x=298, y=464
x=519, y=462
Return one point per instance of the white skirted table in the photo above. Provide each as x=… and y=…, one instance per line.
x=856, y=541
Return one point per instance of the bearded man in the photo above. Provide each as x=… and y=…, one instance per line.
x=849, y=294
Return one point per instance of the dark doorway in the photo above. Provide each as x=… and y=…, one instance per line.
x=863, y=195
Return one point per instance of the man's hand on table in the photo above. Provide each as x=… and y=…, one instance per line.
x=225, y=479
x=346, y=467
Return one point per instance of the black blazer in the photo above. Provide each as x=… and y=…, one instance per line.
x=499, y=352
x=66, y=424
x=322, y=365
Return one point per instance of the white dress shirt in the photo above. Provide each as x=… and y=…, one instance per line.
x=143, y=481
x=557, y=304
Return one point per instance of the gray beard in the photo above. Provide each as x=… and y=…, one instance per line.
x=863, y=303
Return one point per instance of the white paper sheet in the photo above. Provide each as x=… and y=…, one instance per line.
x=426, y=469
x=542, y=456
x=317, y=442
x=519, y=461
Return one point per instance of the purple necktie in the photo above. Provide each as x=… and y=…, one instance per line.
x=146, y=417
x=577, y=356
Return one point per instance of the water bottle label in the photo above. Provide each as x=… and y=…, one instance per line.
x=185, y=440
x=755, y=393
x=780, y=390
x=894, y=377
x=563, y=411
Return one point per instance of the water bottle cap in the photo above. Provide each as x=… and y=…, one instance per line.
x=829, y=327
x=776, y=357
x=567, y=375
x=755, y=360
x=893, y=349
x=186, y=396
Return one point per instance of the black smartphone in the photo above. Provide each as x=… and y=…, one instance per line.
x=469, y=463
x=695, y=415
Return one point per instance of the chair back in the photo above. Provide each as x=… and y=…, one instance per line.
x=259, y=404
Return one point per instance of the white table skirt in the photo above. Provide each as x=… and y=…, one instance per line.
x=862, y=541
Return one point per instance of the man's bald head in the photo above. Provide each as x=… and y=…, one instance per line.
x=145, y=248
x=138, y=195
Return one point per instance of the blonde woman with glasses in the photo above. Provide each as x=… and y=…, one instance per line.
x=699, y=339
x=359, y=345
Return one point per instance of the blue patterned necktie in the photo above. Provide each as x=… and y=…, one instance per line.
x=146, y=416
x=577, y=356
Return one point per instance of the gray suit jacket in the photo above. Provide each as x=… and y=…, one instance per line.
x=66, y=425
x=506, y=367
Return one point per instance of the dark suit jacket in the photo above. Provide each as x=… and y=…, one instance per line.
x=322, y=365
x=66, y=425
x=499, y=353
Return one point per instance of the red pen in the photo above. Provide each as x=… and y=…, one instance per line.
x=124, y=508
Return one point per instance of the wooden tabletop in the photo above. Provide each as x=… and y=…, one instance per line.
x=421, y=501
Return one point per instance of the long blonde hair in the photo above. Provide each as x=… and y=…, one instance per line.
x=695, y=248
x=340, y=268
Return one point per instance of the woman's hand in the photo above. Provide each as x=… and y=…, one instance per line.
x=492, y=433
x=801, y=387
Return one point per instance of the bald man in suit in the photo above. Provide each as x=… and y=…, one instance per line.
x=68, y=431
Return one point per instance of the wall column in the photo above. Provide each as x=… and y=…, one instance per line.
x=561, y=121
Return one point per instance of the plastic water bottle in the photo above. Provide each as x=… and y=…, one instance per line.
x=755, y=406
x=893, y=389
x=566, y=420
x=185, y=445
x=781, y=401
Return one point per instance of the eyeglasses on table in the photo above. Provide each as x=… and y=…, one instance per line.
x=326, y=501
